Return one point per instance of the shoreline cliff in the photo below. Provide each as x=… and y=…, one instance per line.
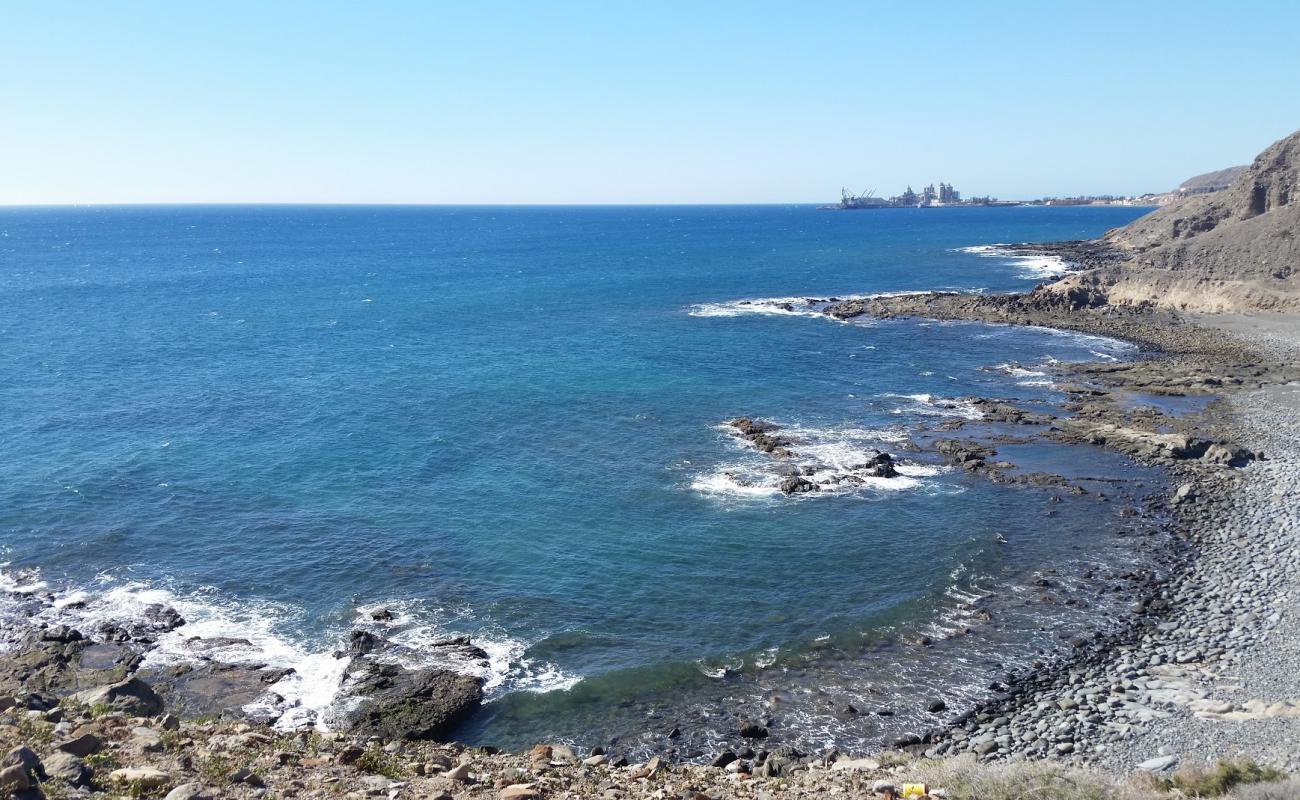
x=1233, y=250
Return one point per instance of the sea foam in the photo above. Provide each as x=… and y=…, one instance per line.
x=254, y=632
x=1025, y=376
x=929, y=405
x=833, y=459
x=803, y=306
x=1032, y=266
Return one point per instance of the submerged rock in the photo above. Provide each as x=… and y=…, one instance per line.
x=752, y=729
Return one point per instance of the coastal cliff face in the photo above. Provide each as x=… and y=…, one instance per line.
x=1234, y=250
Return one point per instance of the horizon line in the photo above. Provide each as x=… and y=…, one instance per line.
x=382, y=204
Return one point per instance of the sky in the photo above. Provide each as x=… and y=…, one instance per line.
x=612, y=102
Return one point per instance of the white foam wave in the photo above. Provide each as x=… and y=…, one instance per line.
x=720, y=667
x=737, y=480
x=783, y=306
x=1035, y=267
x=729, y=481
x=833, y=459
x=928, y=405
x=416, y=630
x=920, y=470
x=780, y=306
x=20, y=582
x=1026, y=377
x=259, y=632
x=959, y=618
x=250, y=630
x=962, y=595
x=1101, y=346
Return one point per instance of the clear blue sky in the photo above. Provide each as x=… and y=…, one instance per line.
x=655, y=102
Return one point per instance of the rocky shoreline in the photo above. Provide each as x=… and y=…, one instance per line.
x=76, y=751
x=1118, y=701
x=1124, y=700
x=48, y=665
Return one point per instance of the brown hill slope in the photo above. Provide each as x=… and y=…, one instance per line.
x=1234, y=250
x=1219, y=179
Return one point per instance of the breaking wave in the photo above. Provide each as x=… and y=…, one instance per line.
x=1033, y=266
x=805, y=306
x=834, y=460
x=1025, y=376
x=780, y=306
x=928, y=405
x=1103, y=347
x=260, y=632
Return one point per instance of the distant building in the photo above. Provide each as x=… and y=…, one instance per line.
x=945, y=195
x=929, y=197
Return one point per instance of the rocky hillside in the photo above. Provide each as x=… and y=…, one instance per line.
x=1213, y=181
x=1234, y=250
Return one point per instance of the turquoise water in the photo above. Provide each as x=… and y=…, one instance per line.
x=505, y=422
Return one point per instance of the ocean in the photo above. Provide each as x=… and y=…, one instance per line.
x=509, y=423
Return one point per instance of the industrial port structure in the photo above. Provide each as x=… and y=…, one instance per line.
x=929, y=197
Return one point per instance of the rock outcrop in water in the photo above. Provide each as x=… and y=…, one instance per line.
x=1233, y=250
x=106, y=669
x=398, y=702
x=763, y=435
x=766, y=437
x=394, y=702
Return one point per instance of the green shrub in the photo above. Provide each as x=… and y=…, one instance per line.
x=216, y=768
x=1198, y=782
x=102, y=761
x=375, y=761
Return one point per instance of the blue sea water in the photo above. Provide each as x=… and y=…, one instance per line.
x=505, y=422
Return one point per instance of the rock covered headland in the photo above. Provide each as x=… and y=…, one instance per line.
x=1233, y=250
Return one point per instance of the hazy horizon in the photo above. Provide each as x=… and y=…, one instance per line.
x=567, y=105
